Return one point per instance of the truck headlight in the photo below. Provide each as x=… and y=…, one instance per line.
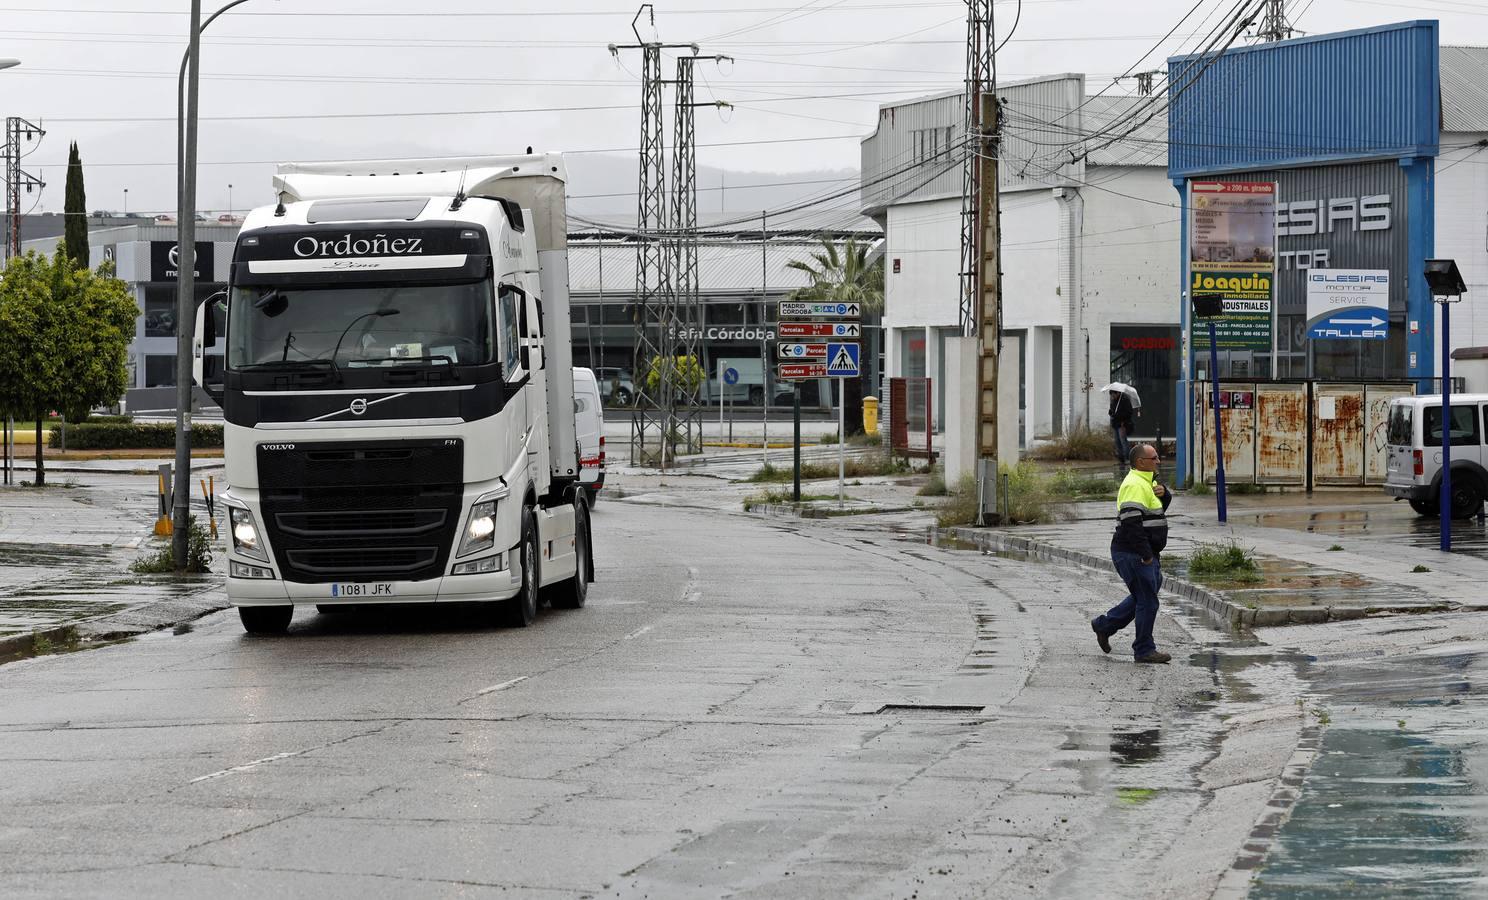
x=480, y=529
x=245, y=538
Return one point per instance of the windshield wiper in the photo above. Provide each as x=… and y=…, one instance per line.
x=404, y=360
x=291, y=364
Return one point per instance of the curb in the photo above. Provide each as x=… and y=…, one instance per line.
x=1215, y=603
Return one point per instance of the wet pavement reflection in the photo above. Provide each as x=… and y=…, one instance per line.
x=1391, y=520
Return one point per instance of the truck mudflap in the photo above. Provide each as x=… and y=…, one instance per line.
x=556, y=544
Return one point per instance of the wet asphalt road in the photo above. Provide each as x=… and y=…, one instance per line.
x=746, y=708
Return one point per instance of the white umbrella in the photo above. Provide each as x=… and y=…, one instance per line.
x=1123, y=387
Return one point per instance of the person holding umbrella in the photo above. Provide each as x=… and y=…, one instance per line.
x=1124, y=405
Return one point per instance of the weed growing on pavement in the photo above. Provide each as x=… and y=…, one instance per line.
x=66, y=642
x=1335, y=548
x=1420, y=568
x=781, y=498
x=1135, y=796
x=1083, y=485
x=41, y=645
x=1029, y=499
x=935, y=486
x=1200, y=488
x=1244, y=487
x=1399, y=723
x=866, y=439
x=866, y=467
x=162, y=561
x=1223, y=561
x=1321, y=712
x=1080, y=442
x=827, y=438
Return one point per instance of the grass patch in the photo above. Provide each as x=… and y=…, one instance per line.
x=162, y=561
x=827, y=438
x=1419, y=569
x=1083, y=485
x=1335, y=548
x=1081, y=442
x=1244, y=487
x=866, y=439
x=935, y=486
x=868, y=467
x=43, y=645
x=1031, y=499
x=1200, y=488
x=1223, y=561
x=781, y=498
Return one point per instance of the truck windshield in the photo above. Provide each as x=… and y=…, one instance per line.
x=353, y=326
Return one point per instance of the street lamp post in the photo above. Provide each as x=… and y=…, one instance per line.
x=5, y=425
x=1447, y=287
x=229, y=201
x=126, y=201
x=186, y=119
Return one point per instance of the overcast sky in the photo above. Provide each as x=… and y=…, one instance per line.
x=335, y=79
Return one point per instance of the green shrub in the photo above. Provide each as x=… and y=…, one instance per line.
x=827, y=438
x=1223, y=561
x=162, y=561
x=132, y=436
x=935, y=486
x=1200, y=488
x=1083, y=485
x=1080, y=442
x=866, y=439
x=1029, y=499
x=1245, y=487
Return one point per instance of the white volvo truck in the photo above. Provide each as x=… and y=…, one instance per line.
x=398, y=391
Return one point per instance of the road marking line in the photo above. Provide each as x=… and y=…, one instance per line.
x=246, y=766
x=638, y=632
x=502, y=686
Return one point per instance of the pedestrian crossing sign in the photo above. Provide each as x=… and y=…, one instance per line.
x=842, y=360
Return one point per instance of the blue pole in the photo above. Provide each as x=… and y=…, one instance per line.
x=1219, y=478
x=1446, y=428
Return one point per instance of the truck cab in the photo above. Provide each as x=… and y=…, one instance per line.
x=398, y=392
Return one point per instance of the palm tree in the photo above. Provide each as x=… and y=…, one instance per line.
x=841, y=273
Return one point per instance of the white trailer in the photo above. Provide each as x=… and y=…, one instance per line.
x=398, y=391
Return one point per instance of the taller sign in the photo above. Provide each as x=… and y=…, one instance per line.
x=1232, y=254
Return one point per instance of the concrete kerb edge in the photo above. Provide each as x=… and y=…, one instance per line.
x=1213, y=603
x=16, y=647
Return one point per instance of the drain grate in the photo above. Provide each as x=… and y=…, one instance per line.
x=927, y=710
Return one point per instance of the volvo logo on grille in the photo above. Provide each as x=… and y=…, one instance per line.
x=358, y=406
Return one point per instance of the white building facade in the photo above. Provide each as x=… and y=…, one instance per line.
x=1090, y=250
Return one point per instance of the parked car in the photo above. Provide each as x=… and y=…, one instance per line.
x=615, y=385
x=1414, y=455
x=589, y=431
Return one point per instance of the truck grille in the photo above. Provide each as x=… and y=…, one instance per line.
x=361, y=510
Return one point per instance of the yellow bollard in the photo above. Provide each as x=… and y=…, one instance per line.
x=870, y=415
x=163, y=525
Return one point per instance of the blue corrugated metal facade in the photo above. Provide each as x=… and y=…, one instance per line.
x=1371, y=93
x=1332, y=105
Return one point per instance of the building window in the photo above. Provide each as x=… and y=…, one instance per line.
x=160, y=371
x=1147, y=357
x=160, y=311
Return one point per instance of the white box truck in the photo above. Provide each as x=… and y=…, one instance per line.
x=398, y=391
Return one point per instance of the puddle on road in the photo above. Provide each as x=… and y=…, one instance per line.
x=1377, y=520
x=49, y=555
x=1290, y=583
x=1392, y=807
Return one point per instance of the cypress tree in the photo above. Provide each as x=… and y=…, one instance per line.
x=75, y=209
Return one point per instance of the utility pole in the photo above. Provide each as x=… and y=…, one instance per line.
x=15, y=179
x=685, y=418
x=1274, y=25
x=655, y=302
x=981, y=275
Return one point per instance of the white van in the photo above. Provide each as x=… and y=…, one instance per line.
x=1414, y=453
x=589, y=429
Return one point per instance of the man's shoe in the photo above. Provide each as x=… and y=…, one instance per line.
x=1101, y=638
x=1156, y=656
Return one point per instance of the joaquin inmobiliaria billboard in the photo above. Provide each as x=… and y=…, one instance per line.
x=1232, y=252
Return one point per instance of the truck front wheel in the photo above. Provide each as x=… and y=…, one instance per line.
x=521, y=610
x=265, y=619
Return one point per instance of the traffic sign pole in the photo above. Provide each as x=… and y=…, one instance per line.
x=796, y=404
x=720, y=399
x=841, y=439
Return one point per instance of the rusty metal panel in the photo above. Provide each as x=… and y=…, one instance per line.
x=1281, y=439
x=1237, y=407
x=1377, y=399
x=1338, y=434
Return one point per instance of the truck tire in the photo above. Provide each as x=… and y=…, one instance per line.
x=623, y=397
x=572, y=593
x=265, y=619
x=756, y=396
x=1425, y=508
x=521, y=610
x=591, y=494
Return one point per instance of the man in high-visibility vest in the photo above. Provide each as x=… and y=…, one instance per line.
x=1136, y=549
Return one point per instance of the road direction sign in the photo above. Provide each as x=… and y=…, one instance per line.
x=801, y=351
x=820, y=329
x=730, y=375
x=792, y=371
x=842, y=360
x=821, y=310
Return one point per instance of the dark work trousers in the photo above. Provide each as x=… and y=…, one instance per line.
x=1140, y=605
x=1123, y=449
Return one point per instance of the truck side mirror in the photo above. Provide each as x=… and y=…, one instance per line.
x=213, y=312
x=213, y=318
x=523, y=348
